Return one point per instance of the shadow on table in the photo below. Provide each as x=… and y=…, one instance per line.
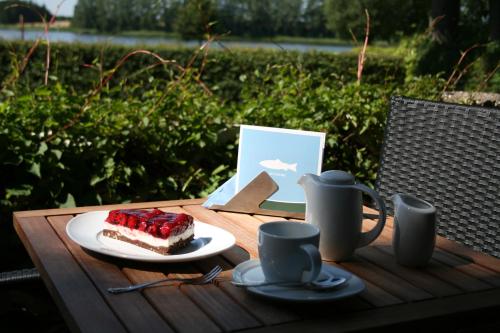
x=235, y=256
x=483, y=321
x=439, y=257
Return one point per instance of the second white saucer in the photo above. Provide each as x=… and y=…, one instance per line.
x=250, y=272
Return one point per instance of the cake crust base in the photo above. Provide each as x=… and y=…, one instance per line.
x=158, y=249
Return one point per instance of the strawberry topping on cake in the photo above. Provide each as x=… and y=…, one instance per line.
x=155, y=230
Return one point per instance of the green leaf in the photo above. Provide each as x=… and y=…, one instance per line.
x=98, y=198
x=42, y=149
x=109, y=166
x=220, y=168
x=23, y=191
x=8, y=93
x=16, y=162
x=70, y=202
x=57, y=152
x=101, y=143
x=96, y=179
x=43, y=92
x=110, y=163
x=35, y=170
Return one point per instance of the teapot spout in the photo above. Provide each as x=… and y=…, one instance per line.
x=395, y=197
x=396, y=200
x=305, y=180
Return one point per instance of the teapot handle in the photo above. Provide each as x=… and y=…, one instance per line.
x=369, y=236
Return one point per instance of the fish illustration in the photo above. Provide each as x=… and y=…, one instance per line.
x=278, y=165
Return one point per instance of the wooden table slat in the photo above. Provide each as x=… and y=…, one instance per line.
x=213, y=299
x=236, y=255
x=265, y=311
x=479, y=258
x=377, y=296
x=73, y=291
x=404, y=313
x=79, y=210
x=467, y=267
x=173, y=305
x=434, y=268
x=258, y=307
x=452, y=276
x=245, y=239
x=417, y=277
x=220, y=307
x=249, y=223
x=388, y=281
x=267, y=218
x=131, y=308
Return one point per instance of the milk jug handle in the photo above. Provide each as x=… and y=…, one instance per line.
x=369, y=236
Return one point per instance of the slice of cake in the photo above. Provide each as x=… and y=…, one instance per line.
x=154, y=230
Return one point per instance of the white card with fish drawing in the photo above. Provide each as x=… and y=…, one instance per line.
x=284, y=154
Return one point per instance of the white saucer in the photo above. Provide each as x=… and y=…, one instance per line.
x=251, y=272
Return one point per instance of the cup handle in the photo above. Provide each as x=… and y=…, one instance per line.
x=314, y=260
x=369, y=236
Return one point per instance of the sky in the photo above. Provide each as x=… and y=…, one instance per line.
x=66, y=9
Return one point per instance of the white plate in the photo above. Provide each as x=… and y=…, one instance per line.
x=86, y=230
x=250, y=271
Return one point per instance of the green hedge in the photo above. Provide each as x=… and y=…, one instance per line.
x=222, y=71
x=115, y=152
x=182, y=144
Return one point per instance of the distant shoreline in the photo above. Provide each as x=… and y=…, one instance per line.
x=65, y=26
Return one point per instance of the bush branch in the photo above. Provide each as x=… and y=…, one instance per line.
x=362, y=54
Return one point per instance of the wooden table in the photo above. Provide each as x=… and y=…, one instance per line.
x=458, y=284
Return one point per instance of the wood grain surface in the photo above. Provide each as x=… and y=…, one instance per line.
x=457, y=281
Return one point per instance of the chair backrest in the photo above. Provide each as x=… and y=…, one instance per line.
x=449, y=155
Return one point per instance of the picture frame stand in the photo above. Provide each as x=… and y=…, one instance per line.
x=251, y=197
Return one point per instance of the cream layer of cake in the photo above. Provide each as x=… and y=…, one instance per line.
x=144, y=237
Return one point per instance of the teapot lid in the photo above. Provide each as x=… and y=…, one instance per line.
x=337, y=177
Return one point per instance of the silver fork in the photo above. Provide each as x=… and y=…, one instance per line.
x=206, y=278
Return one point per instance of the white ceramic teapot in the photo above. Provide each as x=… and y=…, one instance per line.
x=334, y=204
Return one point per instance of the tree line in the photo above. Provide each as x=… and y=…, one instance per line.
x=255, y=18
x=11, y=12
x=389, y=19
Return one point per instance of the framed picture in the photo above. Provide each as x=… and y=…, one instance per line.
x=285, y=154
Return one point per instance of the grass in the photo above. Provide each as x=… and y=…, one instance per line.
x=291, y=40
x=379, y=50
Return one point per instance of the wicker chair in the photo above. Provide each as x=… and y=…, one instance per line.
x=21, y=275
x=449, y=155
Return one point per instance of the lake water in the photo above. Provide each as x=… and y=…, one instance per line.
x=66, y=36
